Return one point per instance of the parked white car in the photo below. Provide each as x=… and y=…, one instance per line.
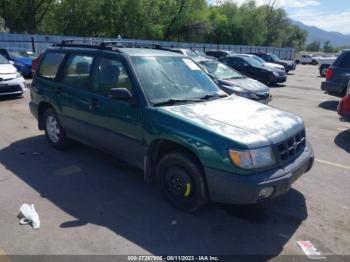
x=309, y=59
x=11, y=81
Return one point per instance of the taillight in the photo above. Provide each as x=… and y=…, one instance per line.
x=329, y=73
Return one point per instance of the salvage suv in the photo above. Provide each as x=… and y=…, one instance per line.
x=160, y=111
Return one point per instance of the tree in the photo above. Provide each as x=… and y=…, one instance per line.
x=327, y=47
x=20, y=16
x=313, y=46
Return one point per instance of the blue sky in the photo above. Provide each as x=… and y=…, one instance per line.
x=330, y=15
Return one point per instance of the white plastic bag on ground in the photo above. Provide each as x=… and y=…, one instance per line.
x=30, y=216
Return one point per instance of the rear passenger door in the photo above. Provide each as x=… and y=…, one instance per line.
x=115, y=124
x=73, y=96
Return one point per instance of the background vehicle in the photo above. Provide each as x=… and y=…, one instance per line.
x=267, y=64
x=11, y=81
x=308, y=59
x=232, y=82
x=132, y=102
x=344, y=105
x=219, y=53
x=187, y=52
x=21, y=58
x=338, y=75
x=324, y=63
x=252, y=68
x=272, y=58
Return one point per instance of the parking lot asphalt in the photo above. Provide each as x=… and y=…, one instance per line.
x=90, y=203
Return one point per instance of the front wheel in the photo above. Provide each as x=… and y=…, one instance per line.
x=53, y=130
x=182, y=181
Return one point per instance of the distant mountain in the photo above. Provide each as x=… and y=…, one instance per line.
x=317, y=34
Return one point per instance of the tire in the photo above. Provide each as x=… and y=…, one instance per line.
x=54, y=131
x=323, y=70
x=181, y=180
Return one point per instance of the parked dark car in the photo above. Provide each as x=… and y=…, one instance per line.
x=272, y=58
x=22, y=59
x=219, y=53
x=233, y=82
x=254, y=69
x=338, y=75
x=161, y=112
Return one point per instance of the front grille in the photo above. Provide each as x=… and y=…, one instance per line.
x=10, y=89
x=291, y=147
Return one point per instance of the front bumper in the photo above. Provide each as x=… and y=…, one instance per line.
x=244, y=189
x=281, y=79
x=14, y=86
x=332, y=88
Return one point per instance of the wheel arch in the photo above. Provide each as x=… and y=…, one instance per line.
x=43, y=106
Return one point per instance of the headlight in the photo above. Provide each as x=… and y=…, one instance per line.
x=275, y=73
x=255, y=158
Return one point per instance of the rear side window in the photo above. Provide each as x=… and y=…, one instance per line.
x=50, y=64
x=77, y=71
x=343, y=60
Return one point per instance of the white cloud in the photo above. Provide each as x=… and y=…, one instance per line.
x=338, y=22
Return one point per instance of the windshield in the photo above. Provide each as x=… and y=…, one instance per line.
x=259, y=59
x=201, y=53
x=191, y=53
x=275, y=57
x=165, y=78
x=3, y=60
x=21, y=54
x=252, y=61
x=220, y=70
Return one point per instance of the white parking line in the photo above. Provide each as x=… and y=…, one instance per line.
x=332, y=164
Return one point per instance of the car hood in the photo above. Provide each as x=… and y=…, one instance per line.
x=241, y=120
x=7, y=69
x=248, y=84
x=24, y=60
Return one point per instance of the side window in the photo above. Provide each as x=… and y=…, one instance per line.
x=50, y=64
x=108, y=74
x=345, y=60
x=77, y=71
x=4, y=53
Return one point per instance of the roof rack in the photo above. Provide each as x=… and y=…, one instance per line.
x=110, y=44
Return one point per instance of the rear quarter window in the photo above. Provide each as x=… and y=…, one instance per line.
x=50, y=65
x=343, y=60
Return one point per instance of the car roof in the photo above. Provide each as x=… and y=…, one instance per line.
x=124, y=50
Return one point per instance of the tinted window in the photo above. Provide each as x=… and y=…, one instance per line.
x=4, y=53
x=3, y=60
x=50, y=64
x=235, y=61
x=109, y=73
x=219, y=70
x=77, y=70
x=344, y=60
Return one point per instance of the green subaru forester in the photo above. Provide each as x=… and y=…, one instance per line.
x=160, y=111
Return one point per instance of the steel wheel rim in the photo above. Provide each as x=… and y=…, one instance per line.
x=53, y=129
x=178, y=184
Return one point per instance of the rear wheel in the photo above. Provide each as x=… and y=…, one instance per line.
x=181, y=180
x=323, y=70
x=53, y=130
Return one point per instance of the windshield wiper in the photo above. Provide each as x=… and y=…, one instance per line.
x=173, y=101
x=208, y=96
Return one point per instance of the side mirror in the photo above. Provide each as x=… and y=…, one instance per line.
x=120, y=94
x=11, y=62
